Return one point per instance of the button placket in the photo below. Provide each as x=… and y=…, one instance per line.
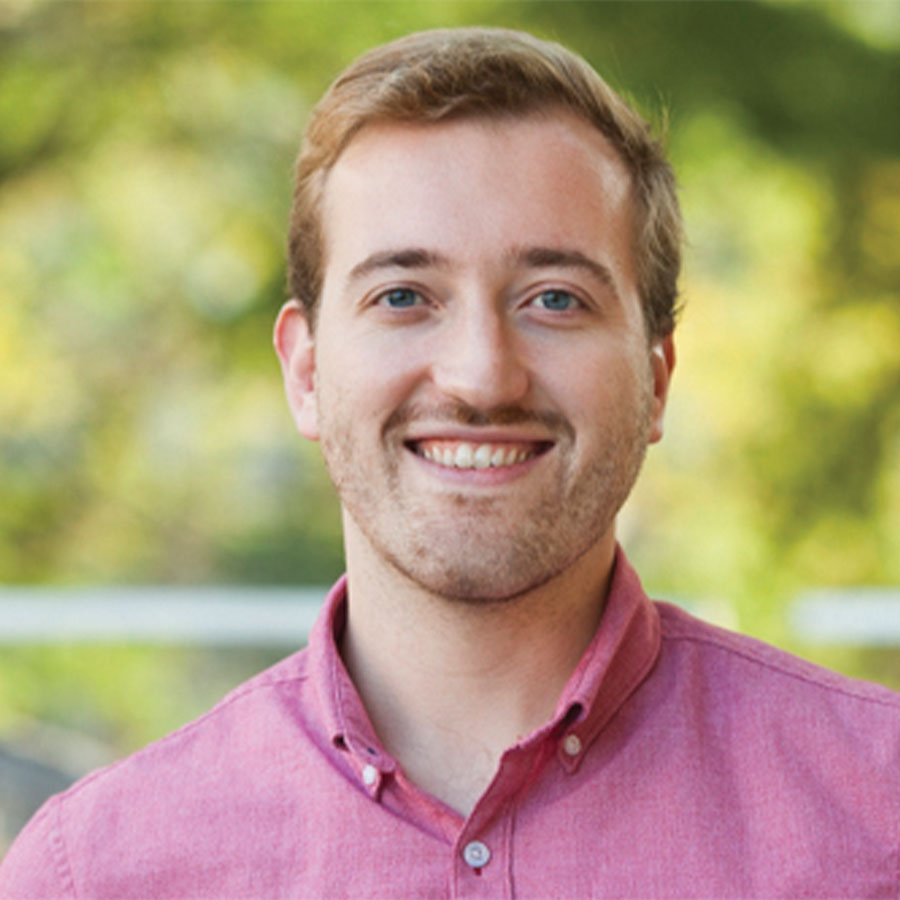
x=476, y=854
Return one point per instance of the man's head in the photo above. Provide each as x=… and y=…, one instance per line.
x=488, y=73
x=479, y=372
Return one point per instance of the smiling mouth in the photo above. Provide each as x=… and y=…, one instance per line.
x=471, y=455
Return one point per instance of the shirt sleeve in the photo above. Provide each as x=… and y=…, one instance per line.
x=35, y=867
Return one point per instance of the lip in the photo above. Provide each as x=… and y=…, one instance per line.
x=476, y=435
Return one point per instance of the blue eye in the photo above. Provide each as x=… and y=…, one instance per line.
x=556, y=301
x=400, y=298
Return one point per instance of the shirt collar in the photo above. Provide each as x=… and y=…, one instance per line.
x=345, y=720
x=619, y=657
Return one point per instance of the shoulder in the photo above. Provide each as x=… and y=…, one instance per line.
x=262, y=708
x=36, y=865
x=754, y=658
x=226, y=751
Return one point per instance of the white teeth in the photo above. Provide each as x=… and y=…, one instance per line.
x=464, y=457
x=482, y=457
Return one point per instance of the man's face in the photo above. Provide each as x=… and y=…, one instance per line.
x=480, y=376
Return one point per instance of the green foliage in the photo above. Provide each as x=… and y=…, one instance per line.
x=145, y=166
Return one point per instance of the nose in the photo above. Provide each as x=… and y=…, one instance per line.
x=480, y=361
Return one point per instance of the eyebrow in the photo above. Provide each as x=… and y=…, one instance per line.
x=407, y=258
x=559, y=257
x=536, y=257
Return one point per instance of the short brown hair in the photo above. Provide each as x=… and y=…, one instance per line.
x=438, y=75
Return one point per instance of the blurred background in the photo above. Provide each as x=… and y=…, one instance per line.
x=145, y=176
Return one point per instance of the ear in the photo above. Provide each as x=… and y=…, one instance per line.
x=662, y=362
x=294, y=345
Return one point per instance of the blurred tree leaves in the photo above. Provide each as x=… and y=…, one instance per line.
x=145, y=167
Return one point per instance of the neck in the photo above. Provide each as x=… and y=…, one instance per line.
x=449, y=684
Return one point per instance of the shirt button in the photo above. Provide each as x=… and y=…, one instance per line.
x=476, y=854
x=572, y=744
x=369, y=775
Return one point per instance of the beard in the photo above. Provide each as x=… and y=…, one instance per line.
x=487, y=548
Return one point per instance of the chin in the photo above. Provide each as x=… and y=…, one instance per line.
x=485, y=582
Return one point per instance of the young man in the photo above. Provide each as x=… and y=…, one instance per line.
x=484, y=252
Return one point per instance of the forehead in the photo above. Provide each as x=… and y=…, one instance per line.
x=473, y=188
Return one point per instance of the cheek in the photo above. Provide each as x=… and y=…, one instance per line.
x=602, y=390
x=357, y=381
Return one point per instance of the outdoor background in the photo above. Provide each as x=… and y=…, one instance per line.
x=145, y=175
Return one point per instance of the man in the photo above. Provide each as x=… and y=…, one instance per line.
x=484, y=252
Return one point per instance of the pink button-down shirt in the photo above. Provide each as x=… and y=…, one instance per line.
x=681, y=761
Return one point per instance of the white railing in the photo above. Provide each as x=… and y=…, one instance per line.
x=283, y=616
x=190, y=615
x=852, y=615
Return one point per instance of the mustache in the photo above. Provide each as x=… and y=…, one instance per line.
x=463, y=414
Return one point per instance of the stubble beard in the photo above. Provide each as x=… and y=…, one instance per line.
x=466, y=548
